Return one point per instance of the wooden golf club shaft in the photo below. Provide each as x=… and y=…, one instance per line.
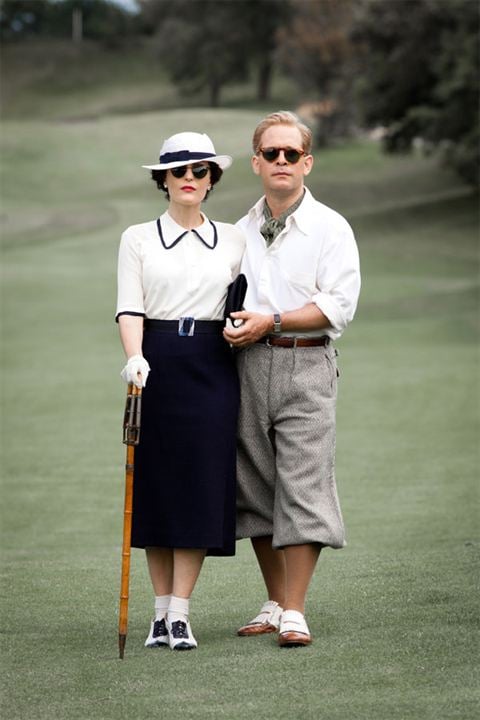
x=133, y=392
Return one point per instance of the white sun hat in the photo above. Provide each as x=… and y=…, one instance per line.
x=188, y=147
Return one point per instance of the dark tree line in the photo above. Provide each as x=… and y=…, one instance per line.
x=420, y=76
x=411, y=66
x=22, y=20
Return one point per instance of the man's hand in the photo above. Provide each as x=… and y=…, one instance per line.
x=255, y=326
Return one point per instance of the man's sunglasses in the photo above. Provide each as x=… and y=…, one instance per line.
x=291, y=155
x=198, y=171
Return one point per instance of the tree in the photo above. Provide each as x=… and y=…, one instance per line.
x=101, y=20
x=264, y=19
x=222, y=40
x=317, y=52
x=202, y=46
x=23, y=18
x=420, y=76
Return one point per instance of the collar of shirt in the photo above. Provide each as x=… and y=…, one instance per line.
x=301, y=216
x=171, y=232
x=272, y=227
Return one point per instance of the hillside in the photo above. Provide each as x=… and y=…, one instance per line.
x=59, y=80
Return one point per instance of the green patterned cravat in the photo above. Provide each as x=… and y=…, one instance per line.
x=272, y=227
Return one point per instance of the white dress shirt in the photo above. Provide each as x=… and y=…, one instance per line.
x=313, y=259
x=164, y=277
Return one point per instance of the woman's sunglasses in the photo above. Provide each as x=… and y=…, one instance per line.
x=198, y=171
x=291, y=155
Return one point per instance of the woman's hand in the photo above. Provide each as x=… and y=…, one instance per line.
x=136, y=371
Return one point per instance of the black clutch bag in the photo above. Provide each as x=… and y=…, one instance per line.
x=236, y=295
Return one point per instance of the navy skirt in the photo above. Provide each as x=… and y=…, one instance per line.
x=185, y=474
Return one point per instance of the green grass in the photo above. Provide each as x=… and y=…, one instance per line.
x=394, y=614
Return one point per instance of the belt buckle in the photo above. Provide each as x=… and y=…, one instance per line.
x=186, y=326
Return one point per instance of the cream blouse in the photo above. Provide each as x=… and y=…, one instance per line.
x=166, y=272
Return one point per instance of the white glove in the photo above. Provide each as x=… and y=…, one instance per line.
x=136, y=365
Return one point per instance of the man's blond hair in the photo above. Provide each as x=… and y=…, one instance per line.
x=283, y=117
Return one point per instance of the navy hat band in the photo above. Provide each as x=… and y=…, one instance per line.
x=184, y=155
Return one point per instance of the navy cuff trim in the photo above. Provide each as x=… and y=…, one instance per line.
x=128, y=312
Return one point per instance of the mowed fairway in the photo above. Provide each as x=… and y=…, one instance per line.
x=394, y=615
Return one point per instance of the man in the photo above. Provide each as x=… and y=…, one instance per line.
x=302, y=268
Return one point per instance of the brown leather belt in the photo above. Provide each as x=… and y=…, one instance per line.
x=289, y=342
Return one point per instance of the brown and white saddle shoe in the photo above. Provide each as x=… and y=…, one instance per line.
x=293, y=631
x=267, y=621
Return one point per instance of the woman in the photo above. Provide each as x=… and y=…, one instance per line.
x=173, y=275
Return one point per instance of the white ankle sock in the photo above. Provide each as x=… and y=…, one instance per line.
x=178, y=609
x=161, y=606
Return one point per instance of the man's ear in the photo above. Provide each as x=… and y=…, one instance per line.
x=255, y=165
x=307, y=164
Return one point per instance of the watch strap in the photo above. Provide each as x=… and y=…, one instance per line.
x=277, y=323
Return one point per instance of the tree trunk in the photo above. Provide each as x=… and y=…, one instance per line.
x=215, y=87
x=264, y=79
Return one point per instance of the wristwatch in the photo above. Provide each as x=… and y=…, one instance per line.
x=277, y=323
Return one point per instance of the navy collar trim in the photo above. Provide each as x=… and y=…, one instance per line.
x=177, y=240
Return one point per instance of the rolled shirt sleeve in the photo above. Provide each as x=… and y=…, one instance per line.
x=313, y=259
x=338, y=278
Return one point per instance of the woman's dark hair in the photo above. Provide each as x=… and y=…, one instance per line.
x=158, y=176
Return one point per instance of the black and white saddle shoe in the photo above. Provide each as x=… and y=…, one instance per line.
x=158, y=635
x=180, y=635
